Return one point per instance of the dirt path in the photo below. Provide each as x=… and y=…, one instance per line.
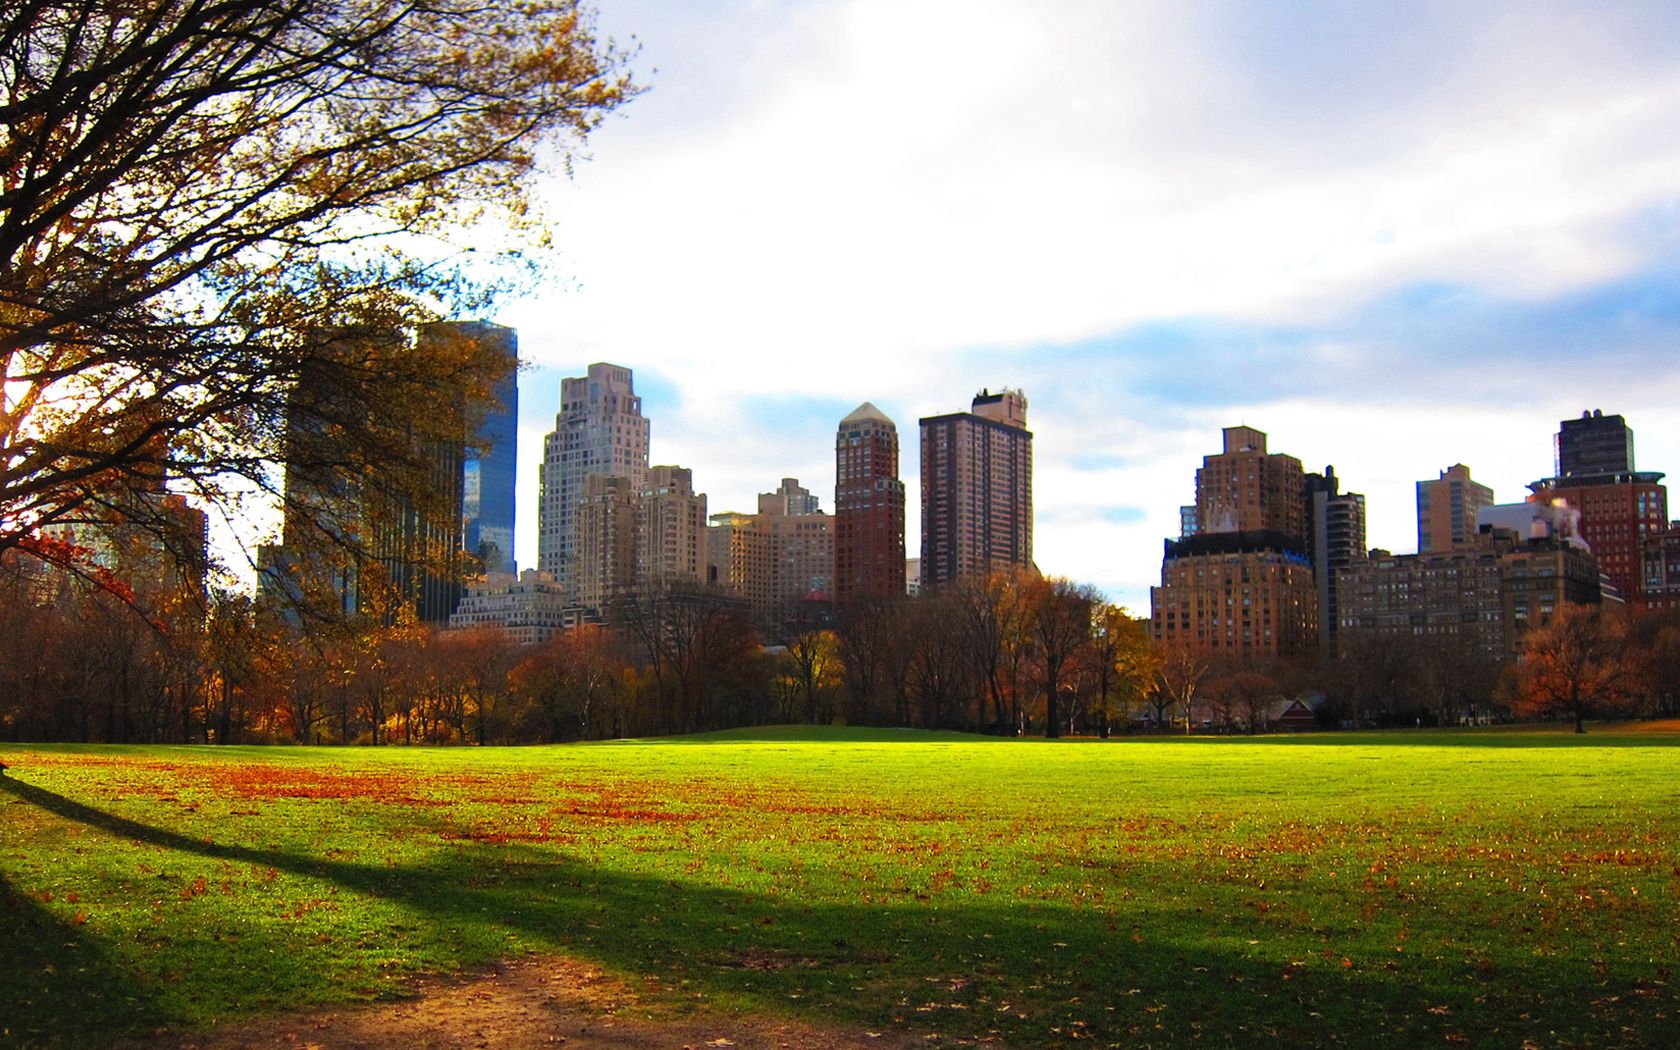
x=528, y=1003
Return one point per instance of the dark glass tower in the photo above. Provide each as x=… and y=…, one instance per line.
x=490, y=472
x=1594, y=444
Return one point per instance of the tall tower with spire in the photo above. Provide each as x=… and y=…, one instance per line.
x=868, y=507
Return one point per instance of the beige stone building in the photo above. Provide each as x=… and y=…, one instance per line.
x=670, y=529
x=605, y=555
x=1447, y=507
x=1235, y=594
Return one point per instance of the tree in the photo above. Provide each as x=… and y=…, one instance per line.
x=1575, y=665
x=569, y=680
x=1179, y=672
x=870, y=635
x=210, y=208
x=814, y=657
x=1061, y=628
x=1121, y=662
x=997, y=622
x=939, y=676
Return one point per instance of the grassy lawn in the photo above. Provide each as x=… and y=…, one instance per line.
x=1409, y=888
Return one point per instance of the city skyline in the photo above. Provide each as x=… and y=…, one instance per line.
x=1424, y=239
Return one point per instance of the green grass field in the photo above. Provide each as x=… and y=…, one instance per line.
x=1403, y=889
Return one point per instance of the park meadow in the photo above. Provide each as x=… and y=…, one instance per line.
x=1470, y=887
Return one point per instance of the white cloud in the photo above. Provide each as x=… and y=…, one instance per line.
x=845, y=199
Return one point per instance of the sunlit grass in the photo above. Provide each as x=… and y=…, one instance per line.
x=1397, y=888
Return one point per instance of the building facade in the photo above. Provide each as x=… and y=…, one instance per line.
x=490, y=466
x=1336, y=542
x=599, y=429
x=371, y=542
x=1619, y=513
x=1621, y=508
x=1661, y=568
x=1247, y=489
x=778, y=557
x=1593, y=445
x=1482, y=595
x=976, y=490
x=868, y=508
x=1243, y=583
x=670, y=529
x=604, y=541
x=1447, y=507
x=1243, y=594
x=740, y=558
x=530, y=608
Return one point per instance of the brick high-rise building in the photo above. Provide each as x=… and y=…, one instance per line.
x=1237, y=593
x=1619, y=513
x=868, y=508
x=599, y=430
x=1482, y=595
x=1246, y=489
x=1242, y=584
x=1446, y=509
x=976, y=490
x=1661, y=568
x=790, y=498
x=777, y=557
x=1621, y=508
x=740, y=558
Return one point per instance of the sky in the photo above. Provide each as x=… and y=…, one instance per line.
x=1394, y=237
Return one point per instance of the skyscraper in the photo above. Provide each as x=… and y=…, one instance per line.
x=868, y=507
x=370, y=541
x=1621, y=508
x=1246, y=489
x=1337, y=542
x=599, y=430
x=490, y=473
x=670, y=529
x=976, y=490
x=604, y=538
x=1446, y=509
x=1242, y=584
x=1595, y=444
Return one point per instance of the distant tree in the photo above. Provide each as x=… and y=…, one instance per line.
x=1451, y=681
x=814, y=656
x=869, y=632
x=201, y=201
x=571, y=681
x=1061, y=629
x=697, y=646
x=996, y=616
x=1118, y=664
x=1372, y=673
x=1656, y=637
x=941, y=678
x=1576, y=665
x=1179, y=674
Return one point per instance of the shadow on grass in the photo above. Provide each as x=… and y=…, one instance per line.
x=1007, y=969
x=52, y=975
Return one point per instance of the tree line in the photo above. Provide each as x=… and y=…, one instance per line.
x=1013, y=654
